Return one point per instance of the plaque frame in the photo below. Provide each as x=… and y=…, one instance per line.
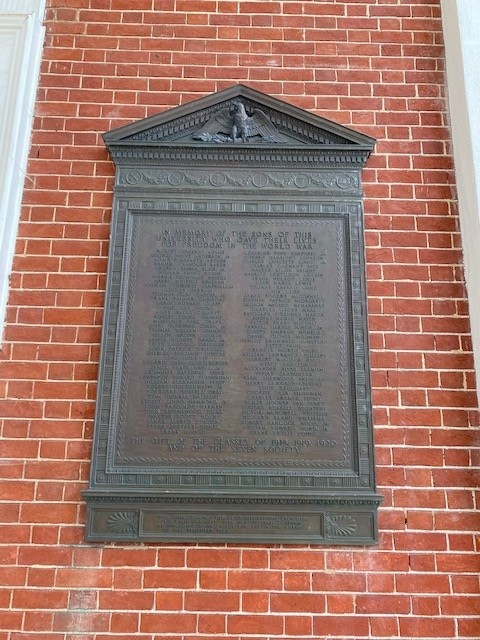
x=287, y=166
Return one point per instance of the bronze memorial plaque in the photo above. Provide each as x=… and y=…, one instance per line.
x=236, y=351
x=234, y=398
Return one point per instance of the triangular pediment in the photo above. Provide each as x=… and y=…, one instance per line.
x=242, y=116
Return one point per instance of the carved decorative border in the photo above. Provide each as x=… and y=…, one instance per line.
x=341, y=182
x=238, y=154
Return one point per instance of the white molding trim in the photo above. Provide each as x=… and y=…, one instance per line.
x=461, y=27
x=21, y=42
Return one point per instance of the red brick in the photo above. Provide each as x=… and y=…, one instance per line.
x=212, y=601
x=256, y=602
x=431, y=583
x=119, y=600
x=426, y=606
x=343, y=582
x=382, y=603
x=460, y=605
x=452, y=398
x=296, y=581
x=384, y=627
x=468, y=627
x=297, y=559
x=41, y=576
x=421, y=456
x=38, y=621
x=81, y=621
x=128, y=557
x=255, y=559
x=425, y=542
x=415, y=379
x=380, y=583
x=454, y=478
x=456, y=520
x=465, y=584
x=18, y=449
x=169, y=600
x=211, y=623
x=11, y=620
x=124, y=622
x=421, y=417
x=213, y=580
x=168, y=623
x=255, y=580
x=427, y=627
x=257, y=624
x=337, y=626
x=340, y=603
x=12, y=576
x=381, y=561
x=213, y=558
x=69, y=577
x=457, y=563
x=297, y=603
x=40, y=599
x=163, y=578
x=47, y=469
x=48, y=512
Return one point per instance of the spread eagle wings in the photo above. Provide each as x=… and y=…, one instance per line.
x=221, y=124
x=259, y=124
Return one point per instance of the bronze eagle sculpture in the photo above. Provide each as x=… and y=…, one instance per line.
x=233, y=123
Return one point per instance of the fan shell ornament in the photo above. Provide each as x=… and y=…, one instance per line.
x=340, y=525
x=233, y=124
x=125, y=522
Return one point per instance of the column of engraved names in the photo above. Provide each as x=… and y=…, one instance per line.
x=185, y=365
x=284, y=343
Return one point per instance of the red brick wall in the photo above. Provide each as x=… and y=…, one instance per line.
x=377, y=66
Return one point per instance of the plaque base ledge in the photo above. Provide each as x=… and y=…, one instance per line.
x=349, y=519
